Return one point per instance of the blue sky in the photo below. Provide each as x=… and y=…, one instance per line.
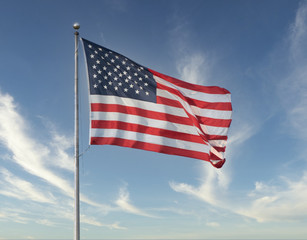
x=255, y=49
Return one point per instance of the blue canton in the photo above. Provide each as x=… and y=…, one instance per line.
x=111, y=73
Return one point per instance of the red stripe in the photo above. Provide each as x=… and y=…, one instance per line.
x=214, y=122
x=147, y=130
x=220, y=149
x=223, y=106
x=168, y=102
x=195, y=87
x=150, y=147
x=101, y=107
x=216, y=137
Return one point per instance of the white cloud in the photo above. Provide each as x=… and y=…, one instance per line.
x=26, y=152
x=283, y=202
x=94, y=222
x=123, y=202
x=34, y=157
x=213, y=224
x=194, y=68
x=13, y=186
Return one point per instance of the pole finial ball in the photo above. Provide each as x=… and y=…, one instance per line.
x=76, y=26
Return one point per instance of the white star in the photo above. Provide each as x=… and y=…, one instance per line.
x=140, y=79
x=104, y=68
x=115, y=69
x=116, y=88
x=125, y=89
x=116, y=57
x=131, y=85
x=96, y=52
x=92, y=56
x=123, y=62
x=95, y=85
x=105, y=77
x=106, y=55
x=129, y=77
x=120, y=75
x=146, y=84
x=137, y=91
x=105, y=86
x=99, y=71
x=146, y=76
x=90, y=46
x=94, y=67
x=119, y=84
x=98, y=62
x=128, y=68
x=115, y=78
x=99, y=81
x=110, y=83
x=112, y=60
x=147, y=93
x=100, y=49
x=94, y=76
x=135, y=74
x=139, y=69
x=118, y=66
x=124, y=72
x=141, y=87
x=126, y=80
x=109, y=73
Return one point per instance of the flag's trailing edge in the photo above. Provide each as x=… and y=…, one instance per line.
x=137, y=107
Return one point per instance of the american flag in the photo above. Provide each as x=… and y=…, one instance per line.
x=137, y=107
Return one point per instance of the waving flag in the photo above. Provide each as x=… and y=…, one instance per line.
x=134, y=106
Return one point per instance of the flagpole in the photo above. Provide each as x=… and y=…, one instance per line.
x=76, y=26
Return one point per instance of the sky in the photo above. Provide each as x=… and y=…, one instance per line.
x=255, y=49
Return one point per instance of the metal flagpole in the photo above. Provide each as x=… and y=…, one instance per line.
x=77, y=194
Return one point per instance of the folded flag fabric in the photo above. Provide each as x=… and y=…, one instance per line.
x=137, y=107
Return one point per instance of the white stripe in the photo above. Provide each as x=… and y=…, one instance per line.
x=218, y=114
x=218, y=143
x=115, y=133
x=129, y=102
x=114, y=116
x=214, y=130
x=194, y=94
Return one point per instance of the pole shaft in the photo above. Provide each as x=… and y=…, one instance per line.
x=77, y=194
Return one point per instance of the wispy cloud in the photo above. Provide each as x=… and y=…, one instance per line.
x=26, y=152
x=34, y=157
x=292, y=88
x=13, y=186
x=94, y=222
x=285, y=201
x=124, y=203
x=43, y=161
